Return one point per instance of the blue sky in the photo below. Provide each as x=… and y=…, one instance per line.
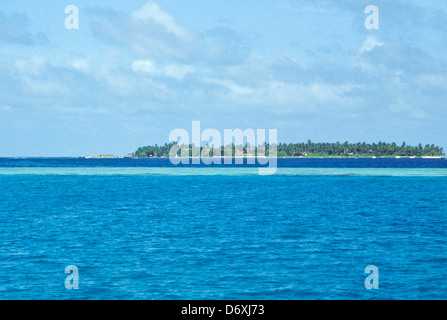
x=135, y=70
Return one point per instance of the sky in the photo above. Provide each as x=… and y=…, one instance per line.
x=136, y=70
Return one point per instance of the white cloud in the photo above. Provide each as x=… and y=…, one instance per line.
x=144, y=66
x=434, y=80
x=85, y=110
x=401, y=107
x=15, y=29
x=370, y=43
x=149, y=31
x=33, y=75
x=152, y=11
x=45, y=88
x=171, y=71
x=309, y=98
x=32, y=66
x=81, y=64
x=234, y=88
x=177, y=71
x=418, y=114
x=152, y=33
x=287, y=98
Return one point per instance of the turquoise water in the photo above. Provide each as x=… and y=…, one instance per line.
x=112, y=171
x=222, y=233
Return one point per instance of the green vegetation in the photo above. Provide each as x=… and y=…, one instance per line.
x=309, y=149
x=380, y=149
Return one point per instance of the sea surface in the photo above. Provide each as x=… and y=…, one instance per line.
x=146, y=229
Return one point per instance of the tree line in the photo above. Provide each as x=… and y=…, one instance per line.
x=346, y=149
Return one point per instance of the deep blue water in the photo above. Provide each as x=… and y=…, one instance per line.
x=168, y=236
x=282, y=163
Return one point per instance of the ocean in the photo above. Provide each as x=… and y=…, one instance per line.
x=145, y=229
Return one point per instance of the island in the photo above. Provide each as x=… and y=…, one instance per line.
x=305, y=149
